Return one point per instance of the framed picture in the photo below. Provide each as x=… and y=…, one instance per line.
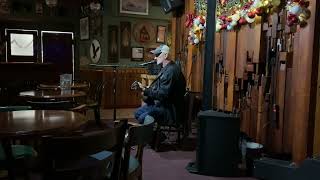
x=125, y=39
x=96, y=25
x=140, y=7
x=144, y=32
x=161, y=34
x=84, y=28
x=137, y=53
x=113, y=51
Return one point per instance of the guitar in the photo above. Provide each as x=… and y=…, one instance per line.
x=136, y=85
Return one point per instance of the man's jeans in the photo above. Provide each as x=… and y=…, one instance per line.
x=145, y=110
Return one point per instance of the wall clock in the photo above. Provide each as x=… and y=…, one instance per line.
x=95, y=51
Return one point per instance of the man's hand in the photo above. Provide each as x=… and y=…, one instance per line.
x=137, y=85
x=141, y=86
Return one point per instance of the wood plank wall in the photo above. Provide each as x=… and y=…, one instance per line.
x=302, y=70
x=244, y=53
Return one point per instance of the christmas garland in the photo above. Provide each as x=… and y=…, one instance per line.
x=232, y=14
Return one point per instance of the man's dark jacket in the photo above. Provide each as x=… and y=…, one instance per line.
x=167, y=91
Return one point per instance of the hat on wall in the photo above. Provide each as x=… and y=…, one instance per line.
x=161, y=49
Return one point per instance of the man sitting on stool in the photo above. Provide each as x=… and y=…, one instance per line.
x=165, y=96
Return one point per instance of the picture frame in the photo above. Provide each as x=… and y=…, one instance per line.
x=113, y=48
x=138, y=7
x=137, y=53
x=125, y=39
x=84, y=28
x=161, y=34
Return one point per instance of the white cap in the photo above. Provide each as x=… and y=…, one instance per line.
x=161, y=49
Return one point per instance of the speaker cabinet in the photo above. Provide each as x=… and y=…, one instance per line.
x=170, y=5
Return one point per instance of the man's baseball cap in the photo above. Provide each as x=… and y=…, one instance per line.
x=161, y=49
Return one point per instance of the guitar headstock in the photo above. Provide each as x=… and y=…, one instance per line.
x=135, y=85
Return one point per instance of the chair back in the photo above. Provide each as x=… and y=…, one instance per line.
x=69, y=157
x=137, y=136
x=96, y=90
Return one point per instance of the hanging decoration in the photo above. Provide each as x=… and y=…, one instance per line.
x=232, y=14
x=298, y=12
x=197, y=22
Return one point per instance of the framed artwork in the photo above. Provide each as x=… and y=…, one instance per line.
x=125, y=39
x=84, y=28
x=161, y=34
x=113, y=50
x=137, y=53
x=140, y=7
x=96, y=23
x=4, y=7
x=144, y=32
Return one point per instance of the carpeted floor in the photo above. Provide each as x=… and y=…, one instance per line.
x=167, y=165
x=171, y=165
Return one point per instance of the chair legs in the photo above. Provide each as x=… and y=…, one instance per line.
x=97, y=115
x=157, y=139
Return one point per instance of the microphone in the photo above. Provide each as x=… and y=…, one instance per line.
x=147, y=63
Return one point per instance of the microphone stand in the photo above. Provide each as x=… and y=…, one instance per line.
x=114, y=85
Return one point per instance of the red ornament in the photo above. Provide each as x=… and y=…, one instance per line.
x=224, y=26
x=202, y=20
x=251, y=15
x=242, y=21
x=258, y=11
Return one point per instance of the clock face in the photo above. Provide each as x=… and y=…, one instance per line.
x=95, y=51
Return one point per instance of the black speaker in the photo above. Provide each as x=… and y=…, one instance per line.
x=169, y=5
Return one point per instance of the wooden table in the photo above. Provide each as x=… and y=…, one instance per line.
x=16, y=124
x=51, y=94
x=74, y=85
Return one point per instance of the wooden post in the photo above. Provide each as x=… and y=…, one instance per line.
x=189, y=8
x=302, y=70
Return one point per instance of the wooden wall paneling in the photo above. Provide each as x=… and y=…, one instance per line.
x=278, y=131
x=174, y=37
x=288, y=119
x=230, y=56
x=253, y=112
x=197, y=70
x=314, y=136
x=242, y=41
x=189, y=8
x=218, y=51
x=256, y=41
x=108, y=95
x=302, y=66
x=316, y=143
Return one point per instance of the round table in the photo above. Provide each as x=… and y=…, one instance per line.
x=74, y=85
x=51, y=94
x=15, y=124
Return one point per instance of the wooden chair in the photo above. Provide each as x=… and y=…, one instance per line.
x=180, y=126
x=86, y=155
x=93, y=101
x=139, y=136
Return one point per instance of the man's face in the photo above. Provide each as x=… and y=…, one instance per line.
x=160, y=58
